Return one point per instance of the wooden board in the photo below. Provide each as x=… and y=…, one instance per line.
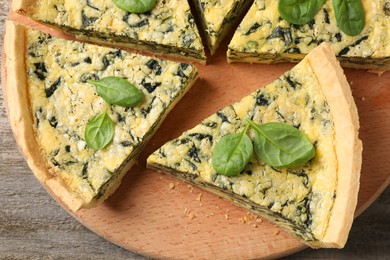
x=158, y=216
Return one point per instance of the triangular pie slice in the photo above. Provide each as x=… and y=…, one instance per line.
x=218, y=17
x=50, y=102
x=264, y=37
x=315, y=202
x=169, y=29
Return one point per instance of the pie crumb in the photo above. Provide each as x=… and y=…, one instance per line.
x=199, y=198
x=191, y=215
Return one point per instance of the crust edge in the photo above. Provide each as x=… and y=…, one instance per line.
x=20, y=117
x=338, y=94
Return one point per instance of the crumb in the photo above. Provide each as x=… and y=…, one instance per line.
x=351, y=83
x=200, y=204
x=363, y=98
x=160, y=177
x=226, y=216
x=212, y=214
x=259, y=220
x=254, y=225
x=241, y=220
x=276, y=232
x=186, y=210
x=191, y=216
x=199, y=198
x=171, y=186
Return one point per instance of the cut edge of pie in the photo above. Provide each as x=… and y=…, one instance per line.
x=16, y=96
x=232, y=19
x=348, y=149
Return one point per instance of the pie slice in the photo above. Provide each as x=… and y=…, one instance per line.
x=168, y=29
x=315, y=202
x=264, y=37
x=218, y=17
x=50, y=102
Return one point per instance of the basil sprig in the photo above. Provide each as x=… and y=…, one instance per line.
x=135, y=6
x=276, y=144
x=299, y=11
x=349, y=16
x=232, y=153
x=118, y=91
x=281, y=145
x=99, y=131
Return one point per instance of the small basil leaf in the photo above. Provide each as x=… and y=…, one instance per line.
x=135, y=6
x=118, y=91
x=99, y=131
x=299, y=11
x=232, y=153
x=350, y=16
x=281, y=145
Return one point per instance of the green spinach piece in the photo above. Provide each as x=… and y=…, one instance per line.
x=232, y=153
x=281, y=145
x=135, y=6
x=350, y=16
x=118, y=91
x=299, y=11
x=99, y=131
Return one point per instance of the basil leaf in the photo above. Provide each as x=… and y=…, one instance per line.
x=299, y=11
x=232, y=153
x=350, y=16
x=279, y=144
x=118, y=91
x=135, y=6
x=99, y=131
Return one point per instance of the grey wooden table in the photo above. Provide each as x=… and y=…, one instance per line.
x=34, y=226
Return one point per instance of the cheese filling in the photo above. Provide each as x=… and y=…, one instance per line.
x=301, y=198
x=62, y=103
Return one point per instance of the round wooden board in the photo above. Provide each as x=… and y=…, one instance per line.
x=159, y=216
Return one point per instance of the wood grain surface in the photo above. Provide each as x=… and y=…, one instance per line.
x=32, y=225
